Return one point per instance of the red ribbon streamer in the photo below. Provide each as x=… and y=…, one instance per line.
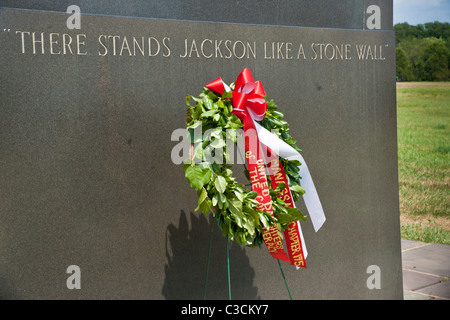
x=292, y=233
x=249, y=103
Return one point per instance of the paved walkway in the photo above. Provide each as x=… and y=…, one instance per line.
x=426, y=270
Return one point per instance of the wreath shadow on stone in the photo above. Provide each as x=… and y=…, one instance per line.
x=187, y=250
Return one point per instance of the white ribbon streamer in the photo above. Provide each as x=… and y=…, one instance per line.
x=311, y=197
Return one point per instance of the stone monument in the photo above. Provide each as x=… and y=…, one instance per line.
x=91, y=204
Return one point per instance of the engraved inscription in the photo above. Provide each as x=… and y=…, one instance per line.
x=82, y=44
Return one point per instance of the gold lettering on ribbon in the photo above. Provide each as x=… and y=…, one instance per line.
x=295, y=248
x=259, y=182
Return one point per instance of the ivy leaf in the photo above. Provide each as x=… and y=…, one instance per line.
x=275, y=121
x=218, y=143
x=199, y=108
x=206, y=175
x=203, y=197
x=188, y=99
x=207, y=102
x=194, y=125
x=271, y=105
x=278, y=207
x=227, y=95
x=194, y=176
x=296, y=214
x=235, y=208
x=221, y=184
x=212, y=95
x=226, y=204
x=224, y=109
x=278, y=114
x=292, y=174
x=222, y=201
x=205, y=207
x=250, y=211
x=197, y=177
x=283, y=218
x=239, y=195
x=297, y=188
x=251, y=194
x=280, y=187
x=295, y=162
x=264, y=220
x=233, y=123
x=209, y=113
x=192, y=137
x=249, y=224
x=217, y=133
x=231, y=135
x=215, y=200
x=289, y=215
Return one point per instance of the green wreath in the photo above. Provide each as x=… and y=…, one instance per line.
x=232, y=204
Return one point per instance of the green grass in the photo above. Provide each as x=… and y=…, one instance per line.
x=430, y=234
x=423, y=119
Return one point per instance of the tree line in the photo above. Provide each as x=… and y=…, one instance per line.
x=422, y=51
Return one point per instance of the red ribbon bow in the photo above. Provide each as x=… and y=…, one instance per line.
x=247, y=95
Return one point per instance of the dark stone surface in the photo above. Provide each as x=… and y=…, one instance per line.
x=349, y=14
x=86, y=176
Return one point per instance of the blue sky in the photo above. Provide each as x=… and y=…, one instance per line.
x=421, y=11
